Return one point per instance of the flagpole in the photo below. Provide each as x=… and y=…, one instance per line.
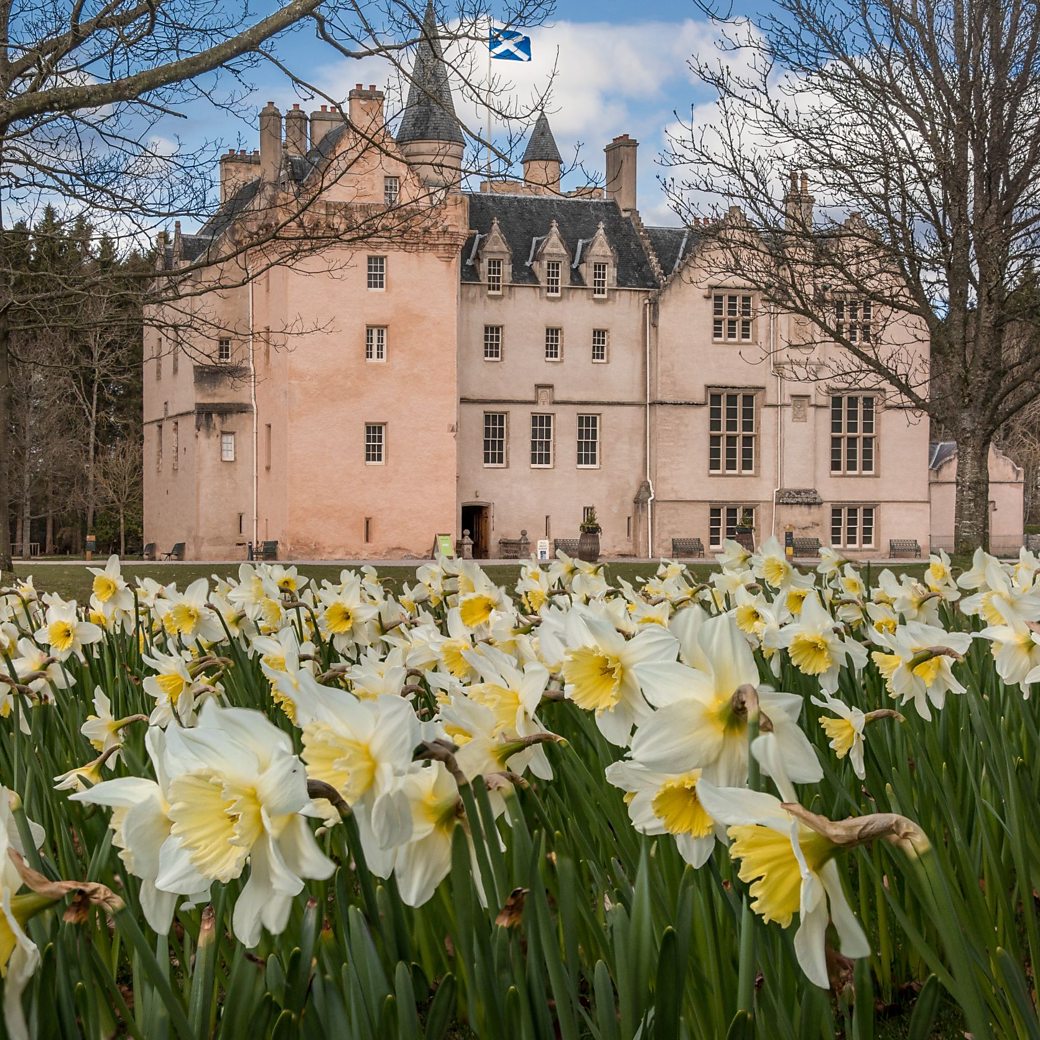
x=487, y=101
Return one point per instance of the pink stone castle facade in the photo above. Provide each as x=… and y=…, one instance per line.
x=501, y=361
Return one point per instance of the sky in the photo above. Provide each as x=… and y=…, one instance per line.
x=621, y=67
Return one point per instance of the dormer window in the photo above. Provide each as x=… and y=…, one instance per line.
x=552, y=277
x=494, y=277
x=599, y=279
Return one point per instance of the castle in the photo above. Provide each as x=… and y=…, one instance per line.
x=497, y=361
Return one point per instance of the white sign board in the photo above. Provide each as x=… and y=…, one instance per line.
x=543, y=548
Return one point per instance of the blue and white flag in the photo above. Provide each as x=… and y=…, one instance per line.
x=508, y=45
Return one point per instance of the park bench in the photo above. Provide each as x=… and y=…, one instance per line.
x=514, y=548
x=806, y=546
x=176, y=553
x=904, y=547
x=268, y=551
x=567, y=545
x=683, y=548
x=149, y=551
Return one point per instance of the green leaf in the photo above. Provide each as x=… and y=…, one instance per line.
x=926, y=1007
x=668, y=989
x=442, y=1008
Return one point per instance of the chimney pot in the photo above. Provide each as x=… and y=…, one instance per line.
x=357, y=86
x=371, y=86
x=324, y=108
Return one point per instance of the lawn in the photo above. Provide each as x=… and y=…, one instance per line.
x=72, y=580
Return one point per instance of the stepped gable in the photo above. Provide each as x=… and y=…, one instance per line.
x=542, y=145
x=429, y=114
x=524, y=218
x=671, y=245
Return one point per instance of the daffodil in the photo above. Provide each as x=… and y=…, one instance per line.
x=701, y=718
x=599, y=670
x=816, y=646
x=790, y=869
x=667, y=803
x=65, y=633
x=916, y=664
x=172, y=687
x=188, y=616
x=236, y=795
x=110, y=594
x=345, y=616
x=1016, y=650
x=103, y=730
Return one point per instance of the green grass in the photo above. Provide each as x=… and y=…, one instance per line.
x=73, y=580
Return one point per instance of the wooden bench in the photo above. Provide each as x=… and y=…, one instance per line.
x=176, y=553
x=149, y=551
x=568, y=545
x=514, y=548
x=904, y=547
x=268, y=551
x=806, y=546
x=683, y=548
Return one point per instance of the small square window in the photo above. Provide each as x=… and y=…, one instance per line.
x=375, y=343
x=494, y=277
x=554, y=344
x=223, y=350
x=599, y=346
x=599, y=279
x=227, y=447
x=375, y=443
x=377, y=272
x=492, y=342
x=732, y=317
x=391, y=190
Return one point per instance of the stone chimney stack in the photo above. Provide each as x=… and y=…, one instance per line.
x=798, y=203
x=270, y=144
x=322, y=121
x=236, y=169
x=621, y=172
x=296, y=128
x=365, y=109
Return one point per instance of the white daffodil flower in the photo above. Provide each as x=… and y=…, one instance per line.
x=599, y=669
x=917, y=666
x=19, y=956
x=110, y=594
x=700, y=723
x=667, y=803
x=188, y=614
x=65, y=632
x=816, y=646
x=140, y=827
x=790, y=868
x=236, y=793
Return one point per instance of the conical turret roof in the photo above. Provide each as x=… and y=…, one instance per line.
x=430, y=112
x=542, y=145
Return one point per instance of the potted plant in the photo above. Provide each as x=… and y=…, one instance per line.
x=588, y=540
x=745, y=530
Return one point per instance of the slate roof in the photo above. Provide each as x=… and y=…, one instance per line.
x=430, y=112
x=940, y=452
x=671, y=244
x=542, y=145
x=523, y=218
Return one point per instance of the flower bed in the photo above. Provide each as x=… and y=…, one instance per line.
x=779, y=803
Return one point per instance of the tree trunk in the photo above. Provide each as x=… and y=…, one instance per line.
x=48, y=537
x=92, y=424
x=5, y=418
x=971, y=524
x=122, y=533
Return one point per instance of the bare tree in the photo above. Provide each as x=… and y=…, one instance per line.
x=920, y=122
x=118, y=475
x=85, y=87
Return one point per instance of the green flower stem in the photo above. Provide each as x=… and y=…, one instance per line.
x=746, y=962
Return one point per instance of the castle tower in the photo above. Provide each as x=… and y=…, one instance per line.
x=430, y=135
x=542, y=162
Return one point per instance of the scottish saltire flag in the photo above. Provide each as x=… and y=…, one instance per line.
x=508, y=45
